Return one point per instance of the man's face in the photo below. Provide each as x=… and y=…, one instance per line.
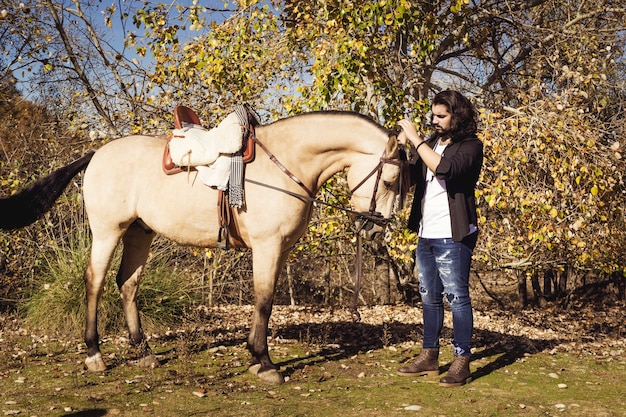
x=441, y=118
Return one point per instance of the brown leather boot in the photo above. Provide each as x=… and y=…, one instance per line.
x=458, y=374
x=426, y=364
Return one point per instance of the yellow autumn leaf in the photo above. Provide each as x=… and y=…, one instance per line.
x=594, y=190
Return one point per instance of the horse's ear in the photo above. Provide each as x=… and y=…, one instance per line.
x=402, y=138
x=392, y=146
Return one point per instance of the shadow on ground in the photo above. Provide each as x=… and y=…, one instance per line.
x=335, y=341
x=343, y=340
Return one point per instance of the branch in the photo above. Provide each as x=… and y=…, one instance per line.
x=96, y=42
x=489, y=293
x=77, y=66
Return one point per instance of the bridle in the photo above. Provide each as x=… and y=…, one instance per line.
x=362, y=219
x=372, y=215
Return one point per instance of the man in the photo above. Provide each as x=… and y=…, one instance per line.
x=445, y=169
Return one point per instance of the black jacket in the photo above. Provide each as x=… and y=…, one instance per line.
x=460, y=167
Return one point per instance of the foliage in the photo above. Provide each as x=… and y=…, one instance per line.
x=32, y=144
x=239, y=58
x=552, y=192
x=549, y=76
x=163, y=298
x=349, y=49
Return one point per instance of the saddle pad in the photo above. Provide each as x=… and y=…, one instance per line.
x=193, y=145
x=217, y=174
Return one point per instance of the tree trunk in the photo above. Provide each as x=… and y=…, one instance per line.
x=292, y=300
x=540, y=299
x=522, y=292
x=328, y=292
x=562, y=284
x=212, y=275
x=620, y=282
x=548, y=277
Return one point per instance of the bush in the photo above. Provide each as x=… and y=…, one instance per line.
x=58, y=301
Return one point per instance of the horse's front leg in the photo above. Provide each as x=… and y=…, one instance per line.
x=136, y=249
x=266, y=267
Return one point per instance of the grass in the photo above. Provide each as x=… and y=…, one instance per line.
x=204, y=373
x=162, y=300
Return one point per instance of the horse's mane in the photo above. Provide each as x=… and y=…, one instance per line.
x=333, y=113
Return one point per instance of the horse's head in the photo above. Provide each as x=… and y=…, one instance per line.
x=374, y=183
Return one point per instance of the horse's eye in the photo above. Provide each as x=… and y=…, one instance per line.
x=387, y=185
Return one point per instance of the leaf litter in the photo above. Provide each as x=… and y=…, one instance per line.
x=322, y=332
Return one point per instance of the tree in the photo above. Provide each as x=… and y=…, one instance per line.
x=60, y=52
x=546, y=74
x=553, y=191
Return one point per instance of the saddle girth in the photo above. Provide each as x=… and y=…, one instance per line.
x=224, y=215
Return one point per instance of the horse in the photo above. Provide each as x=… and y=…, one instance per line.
x=128, y=198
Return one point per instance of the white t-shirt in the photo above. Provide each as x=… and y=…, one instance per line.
x=435, y=223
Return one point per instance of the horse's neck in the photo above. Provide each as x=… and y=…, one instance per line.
x=316, y=148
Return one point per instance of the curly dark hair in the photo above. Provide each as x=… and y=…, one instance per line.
x=463, y=123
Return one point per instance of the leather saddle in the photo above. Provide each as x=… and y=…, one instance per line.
x=183, y=114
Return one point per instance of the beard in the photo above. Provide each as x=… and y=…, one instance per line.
x=442, y=132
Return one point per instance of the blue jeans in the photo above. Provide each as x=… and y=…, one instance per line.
x=444, y=267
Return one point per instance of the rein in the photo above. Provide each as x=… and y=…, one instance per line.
x=371, y=216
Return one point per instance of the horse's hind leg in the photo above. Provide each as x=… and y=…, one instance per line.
x=101, y=253
x=136, y=249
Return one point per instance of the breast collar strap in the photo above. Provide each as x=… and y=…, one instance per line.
x=282, y=167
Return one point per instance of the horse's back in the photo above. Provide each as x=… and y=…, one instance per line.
x=121, y=167
x=125, y=181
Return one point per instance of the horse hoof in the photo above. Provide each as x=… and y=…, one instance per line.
x=149, y=361
x=271, y=377
x=95, y=363
x=254, y=369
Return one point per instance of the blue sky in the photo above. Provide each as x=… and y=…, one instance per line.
x=122, y=28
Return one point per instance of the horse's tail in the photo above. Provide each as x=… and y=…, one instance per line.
x=28, y=205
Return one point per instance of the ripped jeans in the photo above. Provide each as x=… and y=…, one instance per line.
x=444, y=267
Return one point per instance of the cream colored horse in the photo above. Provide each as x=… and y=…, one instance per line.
x=129, y=198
